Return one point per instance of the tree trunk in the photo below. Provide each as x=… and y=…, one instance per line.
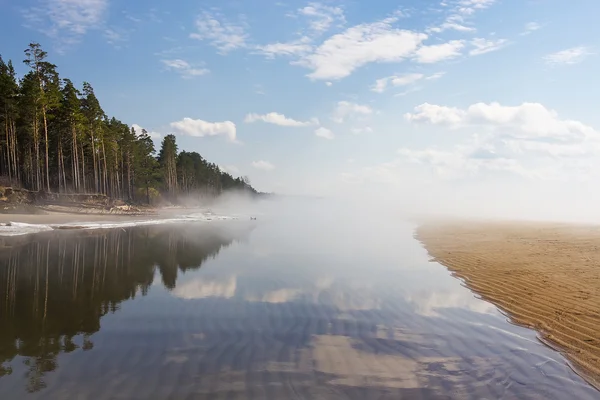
x=46, y=140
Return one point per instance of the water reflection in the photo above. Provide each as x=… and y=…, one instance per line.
x=56, y=286
x=290, y=311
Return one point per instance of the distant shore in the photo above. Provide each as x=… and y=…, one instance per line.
x=543, y=275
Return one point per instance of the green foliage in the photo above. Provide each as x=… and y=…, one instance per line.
x=55, y=137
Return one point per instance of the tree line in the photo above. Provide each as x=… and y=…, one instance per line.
x=55, y=137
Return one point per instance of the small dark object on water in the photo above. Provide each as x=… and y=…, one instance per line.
x=253, y=218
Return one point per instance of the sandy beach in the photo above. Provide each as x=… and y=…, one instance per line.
x=543, y=275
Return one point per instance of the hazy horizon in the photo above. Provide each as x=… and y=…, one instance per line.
x=460, y=107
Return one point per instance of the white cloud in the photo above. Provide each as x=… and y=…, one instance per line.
x=341, y=54
x=263, y=165
x=200, y=128
x=435, y=76
x=483, y=46
x=452, y=26
x=345, y=109
x=115, y=36
x=223, y=35
x=184, y=68
x=293, y=48
x=67, y=21
x=437, y=115
x=138, y=130
x=439, y=52
x=396, y=80
x=529, y=140
x=324, y=133
x=358, y=131
x=278, y=119
x=468, y=7
x=322, y=16
x=531, y=27
x=529, y=120
x=574, y=55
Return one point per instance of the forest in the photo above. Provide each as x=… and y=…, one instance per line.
x=55, y=137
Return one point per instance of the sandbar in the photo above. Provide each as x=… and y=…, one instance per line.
x=545, y=276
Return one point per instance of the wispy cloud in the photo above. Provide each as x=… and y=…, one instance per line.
x=482, y=46
x=183, y=68
x=116, y=37
x=324, y=133
x=435, y=76
x=341, y=54
x=223, y=35
x=381, y=85
x=322, y=16
x=66, y=21
x=293, y=48
x=263, y=165
x=439, y=52
x=279, y=119
x=571, y=56
x=531, y=27
x=345, y=109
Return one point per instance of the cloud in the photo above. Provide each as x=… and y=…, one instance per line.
x=358, y=131
x=439, y=52
x=530, y=120
x=293, y=48
x=483, y=46
x=322, y=16
x=278, y=119
x=263, y=165
x=184, y=68
x=531, y=27
x=223, y=35
x=345, y=109
x=200, y=128
x=468, y=7
x=382, y=84
x=324, y=133
x=66, y=21
x=341, y=54
x=115, y=36
x=437, y=115
x=451, y=26
x=153, y=135
x=529, y=140
x=571, y=56
x=435, y=76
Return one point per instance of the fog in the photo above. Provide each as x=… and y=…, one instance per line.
x=416, y=202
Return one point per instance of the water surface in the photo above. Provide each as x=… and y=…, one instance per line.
x=287, y=307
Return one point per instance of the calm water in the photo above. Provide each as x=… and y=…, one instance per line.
x=279, y=308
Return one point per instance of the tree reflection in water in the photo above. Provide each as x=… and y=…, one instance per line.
x=55, y=286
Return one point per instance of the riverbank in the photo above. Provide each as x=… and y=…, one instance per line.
x=543, y=275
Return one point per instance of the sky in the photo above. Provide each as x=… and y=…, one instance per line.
x=316, y=98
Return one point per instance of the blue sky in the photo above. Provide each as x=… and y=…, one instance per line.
x=321, y=97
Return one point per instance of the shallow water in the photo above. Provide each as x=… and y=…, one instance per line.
x=287, y=307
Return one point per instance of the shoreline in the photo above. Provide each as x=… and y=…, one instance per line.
x=544, y=276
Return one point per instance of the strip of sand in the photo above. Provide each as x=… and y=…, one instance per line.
x=543, y=275
x=63, y=218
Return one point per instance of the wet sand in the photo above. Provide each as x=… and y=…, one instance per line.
x=543, y=275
